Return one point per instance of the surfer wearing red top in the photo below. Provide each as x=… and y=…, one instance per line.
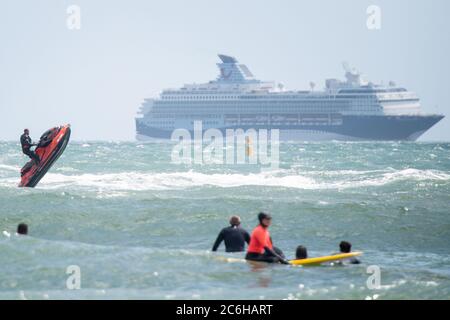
x=261, y=247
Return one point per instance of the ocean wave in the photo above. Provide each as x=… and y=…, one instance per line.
x=136, y=181
x=9, y=168
x=67, y=169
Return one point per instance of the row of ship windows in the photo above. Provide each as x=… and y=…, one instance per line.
x=266, y=105
x=175, y=113
x=207, y=123
x=261, y=116
x=200, y=97
x=186, y=116
x=173, y=122
x=271, y=98
x=171, y=125
x=161, y=123
x=248, y=101
x=257, y=107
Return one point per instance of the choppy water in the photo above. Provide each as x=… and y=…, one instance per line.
x=141, y=227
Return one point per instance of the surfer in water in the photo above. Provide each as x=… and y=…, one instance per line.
x=22, y=229
x=261, y=247
x=301, y=253
x=346, y=247
x=26, y=143
x=234, y=236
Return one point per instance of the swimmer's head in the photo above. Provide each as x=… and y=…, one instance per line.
x=235, y=221
x=301, y=253
x=346, y=247
x=22, y=229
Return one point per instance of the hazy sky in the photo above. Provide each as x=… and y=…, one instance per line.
x=95, y=78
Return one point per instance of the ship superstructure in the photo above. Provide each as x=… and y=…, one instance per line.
x=353, y=109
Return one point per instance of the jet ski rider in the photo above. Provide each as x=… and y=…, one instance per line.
x=26, y=142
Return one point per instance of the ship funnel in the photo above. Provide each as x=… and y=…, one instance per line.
x=233, y=72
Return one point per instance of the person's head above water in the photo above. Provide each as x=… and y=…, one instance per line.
x=235, y=221
x=265, y=219
x=301, y=253
x=22, y=229
x=26, y=131
x=345, y=247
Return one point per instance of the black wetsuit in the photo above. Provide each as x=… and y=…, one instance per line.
x=26, y=143
x=267, y=256
x=354, y=261
x=235, y=238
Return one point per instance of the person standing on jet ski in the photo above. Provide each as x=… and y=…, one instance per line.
x=26, y=142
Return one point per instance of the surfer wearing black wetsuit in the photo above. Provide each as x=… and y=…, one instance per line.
x=234, y=236
x=26, y=143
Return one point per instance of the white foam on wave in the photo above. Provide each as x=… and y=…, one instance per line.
x=177, y=180
x=331, y=173
x=395, y=176
x=313, y=180
x=67, y=169
x=136, y=181
x=416, y=174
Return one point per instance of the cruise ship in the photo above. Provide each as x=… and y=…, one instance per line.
x=348, y=110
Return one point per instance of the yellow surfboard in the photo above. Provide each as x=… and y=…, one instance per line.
x=320, y=260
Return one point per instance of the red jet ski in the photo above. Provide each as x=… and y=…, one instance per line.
x=50, y=147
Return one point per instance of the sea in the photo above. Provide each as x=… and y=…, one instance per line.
x=122, y=220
